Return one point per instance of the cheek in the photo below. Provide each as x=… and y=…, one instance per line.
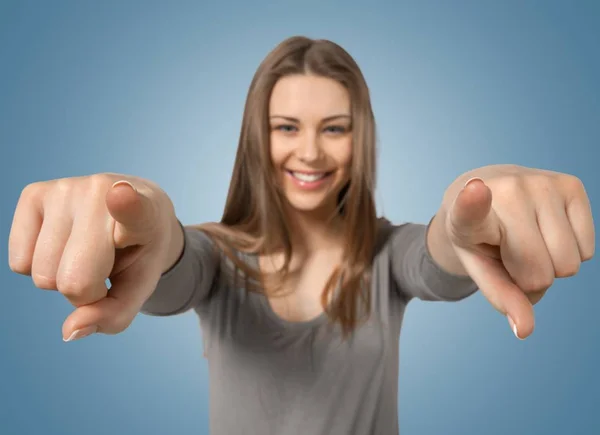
x=277, y=151
x=343, y=156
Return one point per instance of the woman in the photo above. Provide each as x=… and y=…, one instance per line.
x=300, y=289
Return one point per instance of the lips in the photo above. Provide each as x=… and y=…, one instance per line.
x=309, y=180
x=309, y=177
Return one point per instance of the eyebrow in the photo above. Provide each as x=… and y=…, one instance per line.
x=296, y=120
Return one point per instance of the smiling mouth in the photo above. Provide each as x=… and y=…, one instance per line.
x=309, y=177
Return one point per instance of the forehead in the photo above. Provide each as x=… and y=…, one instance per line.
x=308, y=96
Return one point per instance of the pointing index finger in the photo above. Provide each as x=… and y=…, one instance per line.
x=499, y=289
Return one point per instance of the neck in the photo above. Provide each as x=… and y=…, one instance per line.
x=315, y=231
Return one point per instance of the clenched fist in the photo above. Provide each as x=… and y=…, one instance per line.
x=73, y=234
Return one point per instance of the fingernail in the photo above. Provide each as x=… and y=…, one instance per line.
x=124, y=183
x=81, y=333
x=470, y=180
x=513, y=326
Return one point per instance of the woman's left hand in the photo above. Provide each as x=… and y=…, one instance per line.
x=515, y=230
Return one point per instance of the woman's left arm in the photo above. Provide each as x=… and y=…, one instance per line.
x=512, y=230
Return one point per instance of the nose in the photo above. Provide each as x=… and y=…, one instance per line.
x=309, y=148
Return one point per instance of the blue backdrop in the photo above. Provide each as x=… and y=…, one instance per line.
x=156, y=89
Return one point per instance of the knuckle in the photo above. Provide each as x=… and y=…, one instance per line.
x=30, y=194
x=64, y=187
x=574, y=184
x=18, y=265
x=541, y=184
x=537, y=282
x=100, y=182
x=31, y=190
x=568, y=269
x=511, y=187
x=588, y=253
x=72, y=286
x=44, y=281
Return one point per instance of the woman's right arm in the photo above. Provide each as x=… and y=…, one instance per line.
x=72, y=234
x=188, y=277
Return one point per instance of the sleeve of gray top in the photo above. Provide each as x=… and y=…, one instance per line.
x=416, y=273
x=188, y=281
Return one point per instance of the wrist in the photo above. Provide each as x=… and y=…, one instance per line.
x=440, y=246
x=174, y=245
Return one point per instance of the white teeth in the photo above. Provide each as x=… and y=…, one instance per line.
x=309, y=178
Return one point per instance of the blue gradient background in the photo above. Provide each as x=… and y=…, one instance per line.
x=157, y=90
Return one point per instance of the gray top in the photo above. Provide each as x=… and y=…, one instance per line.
x=269, y=376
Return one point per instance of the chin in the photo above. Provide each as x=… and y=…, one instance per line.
x=305, y=204
x=311, y=204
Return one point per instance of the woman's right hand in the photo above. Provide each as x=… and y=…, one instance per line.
x=72, y=234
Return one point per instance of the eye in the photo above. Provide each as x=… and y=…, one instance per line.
x=336, y=129
x=286, y=128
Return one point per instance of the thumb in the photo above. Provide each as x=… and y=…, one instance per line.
x=471, y=219
x=134, y=212
x=114, y=313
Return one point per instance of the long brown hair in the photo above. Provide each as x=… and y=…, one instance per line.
x=254, y=219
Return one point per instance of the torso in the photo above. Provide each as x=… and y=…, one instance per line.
x=301, y=294
x=279, y=367
x=285, y=369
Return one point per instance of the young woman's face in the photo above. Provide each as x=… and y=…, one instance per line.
x=311, y=140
